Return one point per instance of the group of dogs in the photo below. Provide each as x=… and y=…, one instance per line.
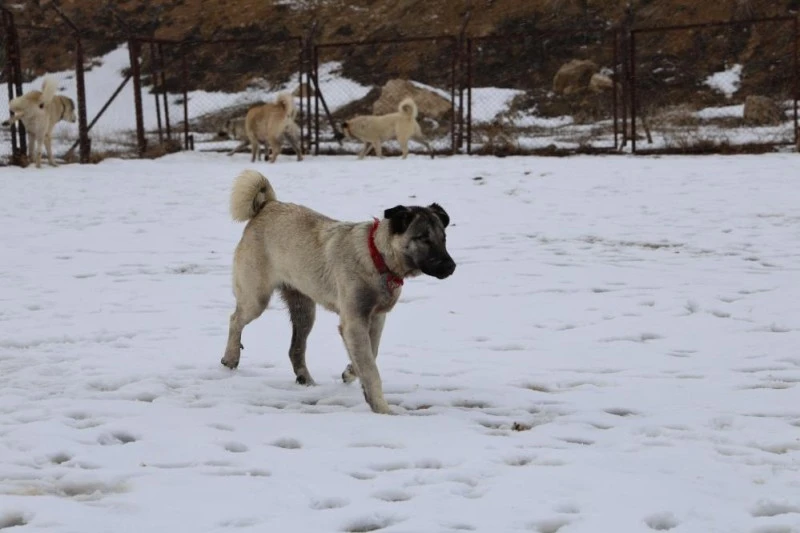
x=354, y=269
x=273, y=122
x=269, y=124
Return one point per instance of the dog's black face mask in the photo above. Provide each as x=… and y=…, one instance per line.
x=424, y=240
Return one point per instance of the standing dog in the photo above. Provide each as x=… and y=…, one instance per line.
x=372, y=130
x=39, y=111
x=235, y=129
x=353, y=269
x=267, y=123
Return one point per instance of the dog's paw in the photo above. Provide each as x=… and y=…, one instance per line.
x=382, y=408
x=229, y=362
x=349, y=376
x=305, y=379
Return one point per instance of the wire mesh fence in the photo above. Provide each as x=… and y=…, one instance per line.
x=371, y=78
x=208, y=100
x=525, y=95
x=109, y=99
x=711, y=87
x=715, y=87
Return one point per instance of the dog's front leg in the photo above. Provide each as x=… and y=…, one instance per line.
x=375, y=331
x=356, y=333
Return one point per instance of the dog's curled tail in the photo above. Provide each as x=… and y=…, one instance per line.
x=408, y=107
x=286, y=100
x=251, y=192
x=49, y=88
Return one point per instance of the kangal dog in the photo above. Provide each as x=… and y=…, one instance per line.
x=355, y=269
x=372, y=130
x=235, y=129
x=39, y=112
x=268, y=123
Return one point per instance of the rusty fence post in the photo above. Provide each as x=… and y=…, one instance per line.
x=163, y=85
x=10, y=74
x=794, y=80
x=13, y=54
x=469, y=96
x=83, y=128
x=632, y=88
x=300, y=66
x=315, y=66
x=154, y=79
x=185, y=76
x=308, y=93
x=453, y=61
x=614, y=92
x=141, y=142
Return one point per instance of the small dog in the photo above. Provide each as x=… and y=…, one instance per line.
x=374, y=129
x=268, y=123
x=235, y=129
x=355, y=269
x=39, y=112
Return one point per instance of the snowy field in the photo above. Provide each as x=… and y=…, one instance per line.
x=617, y=351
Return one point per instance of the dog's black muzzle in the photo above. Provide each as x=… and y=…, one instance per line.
x=440, y=268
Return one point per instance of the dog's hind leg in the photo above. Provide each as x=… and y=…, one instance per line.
x=403, y=145
x=364, y=151
x=295, y=146
x=37, y=152
x=31, y=145
x=375, y=332
x=255, y=148
x=274, y=145
x=302, y=311
x=247, y=310
x=241, y=145
x=48, y=145
x=422, y=140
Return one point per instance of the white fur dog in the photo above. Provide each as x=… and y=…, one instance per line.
x=372, y=130
x=39, y=111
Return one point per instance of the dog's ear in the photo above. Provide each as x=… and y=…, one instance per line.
x=440, y=213
x=400, y=217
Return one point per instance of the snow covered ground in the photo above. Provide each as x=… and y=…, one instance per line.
x=616, y=352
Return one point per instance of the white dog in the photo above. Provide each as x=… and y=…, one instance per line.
x=374, y=129
x=39, y=112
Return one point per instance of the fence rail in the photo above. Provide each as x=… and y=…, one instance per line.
x=549, y=91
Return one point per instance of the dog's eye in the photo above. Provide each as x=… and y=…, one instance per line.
x=421, y=238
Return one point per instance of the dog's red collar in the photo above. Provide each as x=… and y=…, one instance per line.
x=393, y=281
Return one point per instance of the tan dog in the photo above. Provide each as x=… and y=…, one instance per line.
x=267, y=123
x=372, y=130
x=355, y=269
x=235, y=129
x=39, y=111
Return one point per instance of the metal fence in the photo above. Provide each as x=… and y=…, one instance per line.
x=524, y=97
x=378, y=81
x=548, y=91
x=721, y=96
